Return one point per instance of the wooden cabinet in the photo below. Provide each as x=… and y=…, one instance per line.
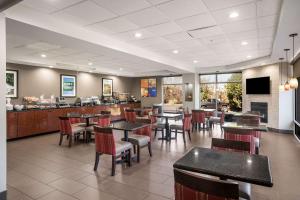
x=26, y=123
x=12, y=125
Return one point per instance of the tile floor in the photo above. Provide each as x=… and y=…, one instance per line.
x=40, y=169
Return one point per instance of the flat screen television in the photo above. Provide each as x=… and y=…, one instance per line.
x=259, y=85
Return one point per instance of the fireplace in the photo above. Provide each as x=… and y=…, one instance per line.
x=262, y=107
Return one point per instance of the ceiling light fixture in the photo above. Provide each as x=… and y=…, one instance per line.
x=90, y=71
x=234, y=15
x=287, y=86
x=175, y=51
x=249, y=56
x=121, y=69
x=138, y=35
x=50, y=66
x=43, y=55
x=90, y=63
x=195, y=61
x=244, y=43
x=281, y=86
x=293, y=81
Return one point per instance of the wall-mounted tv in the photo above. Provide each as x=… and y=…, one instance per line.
x=259, y=85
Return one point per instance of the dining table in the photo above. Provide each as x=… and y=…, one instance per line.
x=127, y=127
x=167, y=116
x=86, y=117
x=249, y=168
x=260, y=127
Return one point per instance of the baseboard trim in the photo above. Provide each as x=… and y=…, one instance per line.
x=3, y=195
x=281, y=130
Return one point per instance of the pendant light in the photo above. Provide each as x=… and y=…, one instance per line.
x=293, y=81
x=281, y=86
x=287, y=84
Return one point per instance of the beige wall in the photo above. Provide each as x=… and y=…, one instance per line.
x=35, y=81
x=279, y=103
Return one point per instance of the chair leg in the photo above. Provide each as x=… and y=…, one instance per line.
x=183, y=134
x=189, y=132
x=150, y=149
x=70, y=140
x=113, y=165
x=134, y=149
x=176, y=134
x=96, y=161
x=155, y=133
x=129, y=157
x=61, y=139
x=138, y=153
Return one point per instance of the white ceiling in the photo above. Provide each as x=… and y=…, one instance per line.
x=199, y=29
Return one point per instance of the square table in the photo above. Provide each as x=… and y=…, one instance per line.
x=168, y=116
x=87, y=117
x=260, y=127
x=127, y=126
x=237, y=166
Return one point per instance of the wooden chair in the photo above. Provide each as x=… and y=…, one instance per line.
x=230, y=145
x=130, y=115
x=191, y=187
x=102, y=121
x=141, y=138
x=106, y=144
x=198, y=118
x=156, y=125
x=184, y=127
x=244, y=135
x=66, y=129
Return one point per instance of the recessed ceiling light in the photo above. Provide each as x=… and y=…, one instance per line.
x=90, y=71
x=50, y=66
x=175, y=51
x=195, y=61
x=244, y=43
x=234, y=15
x=138, y=35
x=43, y=55
x=249, y=56
x=90, y=63
x=121, y=69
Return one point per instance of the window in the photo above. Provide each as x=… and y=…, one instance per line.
x=172, y=90
x=221, y=91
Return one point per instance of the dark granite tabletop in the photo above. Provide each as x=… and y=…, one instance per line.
x=248, y=168
x=168, y=115
x=85, y=116
x=260, y=127
x=126, y=126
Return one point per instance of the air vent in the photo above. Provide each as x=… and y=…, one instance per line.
x=203, y=31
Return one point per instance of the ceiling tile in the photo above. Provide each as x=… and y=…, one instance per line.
x=150, y=41
x=197, y=21
x=268, y=21
x=246, y=11
x=176, y=37
x=214, y=40
x=49, y=6
x=206, y=32
x=164, y=29
x=122, y=7
x=243, y=35
x=266, y=32
x=147, y=17
x=155, y=2
x=220, y=4
x=115, y=25
x=239, y=26
x=88, y=11
x=268, y=7
x=129, y=35
x=182, y=8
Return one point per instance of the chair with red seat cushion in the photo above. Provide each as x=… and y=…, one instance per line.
x=186, y=126
x=130, y=115
x=105, y=144
x=198, y=118
x=244, y=135
x=230, y=145
x=141, y=137
x=70, y=131
x=253, y=119
x=157, y=126
x=217, y=120
x=102, y=121
x=191, y=187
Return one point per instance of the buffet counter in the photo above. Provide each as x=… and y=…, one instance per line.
x=37, y=121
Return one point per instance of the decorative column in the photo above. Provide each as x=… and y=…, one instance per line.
x=191, y=91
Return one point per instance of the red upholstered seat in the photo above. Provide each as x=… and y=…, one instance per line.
x=198, y=118
x=105, y=144
x=130, y=116
x=66, y=128
x=185, y=127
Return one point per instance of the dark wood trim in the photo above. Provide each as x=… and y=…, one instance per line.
x=112, y=86
x=5, y=4
x=3, y=195
x=17, y=72
x=60, y=86
x=280, y=130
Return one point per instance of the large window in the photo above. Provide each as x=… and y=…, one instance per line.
x=221, y=91
x=172, y=90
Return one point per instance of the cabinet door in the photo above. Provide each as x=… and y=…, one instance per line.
x=27, y=123
x=12, y=125
x=42, y=121
x=53, y=119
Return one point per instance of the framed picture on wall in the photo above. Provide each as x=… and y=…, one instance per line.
x=68, y=85
x=12, y=83
x=188, y=92
x=107, y=87
x=148, y=87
